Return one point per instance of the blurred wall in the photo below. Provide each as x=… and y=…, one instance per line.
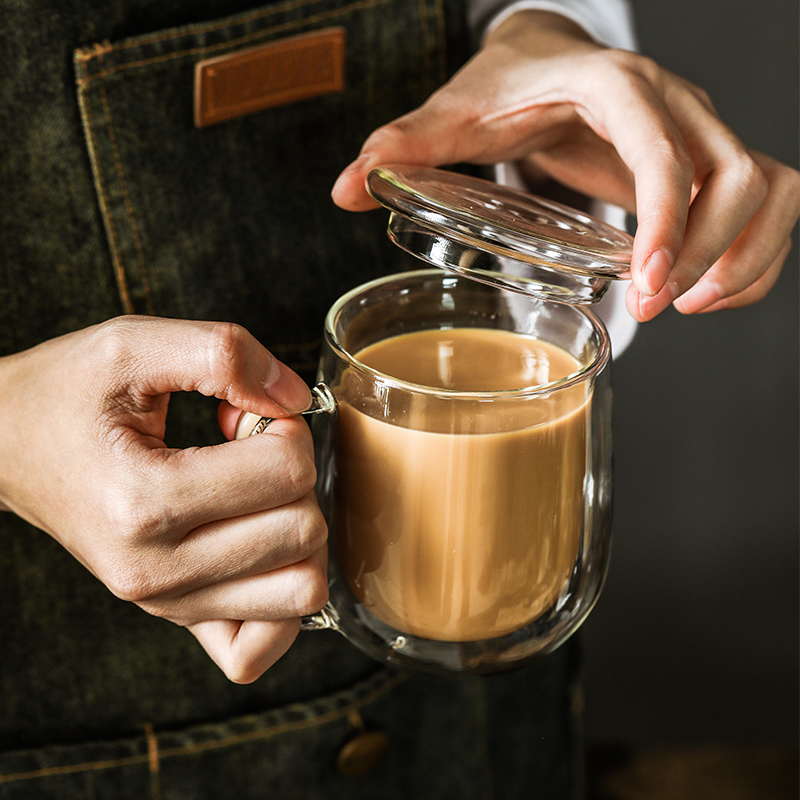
x=695, y=638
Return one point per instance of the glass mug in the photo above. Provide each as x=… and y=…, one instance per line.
x=469, y=519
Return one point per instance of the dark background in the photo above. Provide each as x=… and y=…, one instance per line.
x=695, y=638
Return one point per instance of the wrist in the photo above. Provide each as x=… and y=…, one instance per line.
x=540, y=32
x=11, y=378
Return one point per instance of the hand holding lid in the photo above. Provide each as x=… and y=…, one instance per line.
x=714, y=217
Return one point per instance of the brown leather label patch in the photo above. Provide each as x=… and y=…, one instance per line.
x=272, y=74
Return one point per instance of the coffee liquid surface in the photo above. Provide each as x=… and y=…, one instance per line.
x=468, y=535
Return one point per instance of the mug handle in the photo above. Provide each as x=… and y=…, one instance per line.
x=325, y=619
x=249, y=424
x=322, y=400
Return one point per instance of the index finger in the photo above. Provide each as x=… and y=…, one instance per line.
x=156, y=356
x=625, y=107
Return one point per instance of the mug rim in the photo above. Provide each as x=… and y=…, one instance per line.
x=588, y=370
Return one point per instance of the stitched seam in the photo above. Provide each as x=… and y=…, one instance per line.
x=127, y=201
x=228, y=741
x=89, y=766
x=153, y=761
x=82, y=55
x=198, y=28
x=254, y=36
x=286, y=727
x=88, y=128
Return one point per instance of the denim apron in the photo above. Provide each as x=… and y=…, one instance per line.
x=114, y=202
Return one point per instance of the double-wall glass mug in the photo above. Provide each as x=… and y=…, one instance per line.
x=464, y=440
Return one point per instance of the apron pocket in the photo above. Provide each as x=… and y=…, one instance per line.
x=234, y=221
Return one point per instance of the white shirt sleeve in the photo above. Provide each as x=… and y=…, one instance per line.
x=611, y=309
x=609, y=22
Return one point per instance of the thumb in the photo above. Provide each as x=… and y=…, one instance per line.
x=424, y=137
x=216, y=359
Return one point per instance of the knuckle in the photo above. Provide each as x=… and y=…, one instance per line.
x=406, y=134
x=751, y=178
x=300, y=471
x=311, y=587
x=703, y=96
x=129, y=570
x=227, y=352
x=312, y=531
x=390, y=136
x=114, y=342
x=672, y=155
x=132, y=581
x=624, y=59
x=675, y=153
x=648, y=69
x=634, y=66
x=784, y=181
x=132, y=514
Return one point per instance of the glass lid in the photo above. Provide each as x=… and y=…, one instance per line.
x=501, y=236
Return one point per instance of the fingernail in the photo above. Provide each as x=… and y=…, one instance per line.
x=656, y=270
x=245, y=424
x=287, y=389
x=650, y=307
